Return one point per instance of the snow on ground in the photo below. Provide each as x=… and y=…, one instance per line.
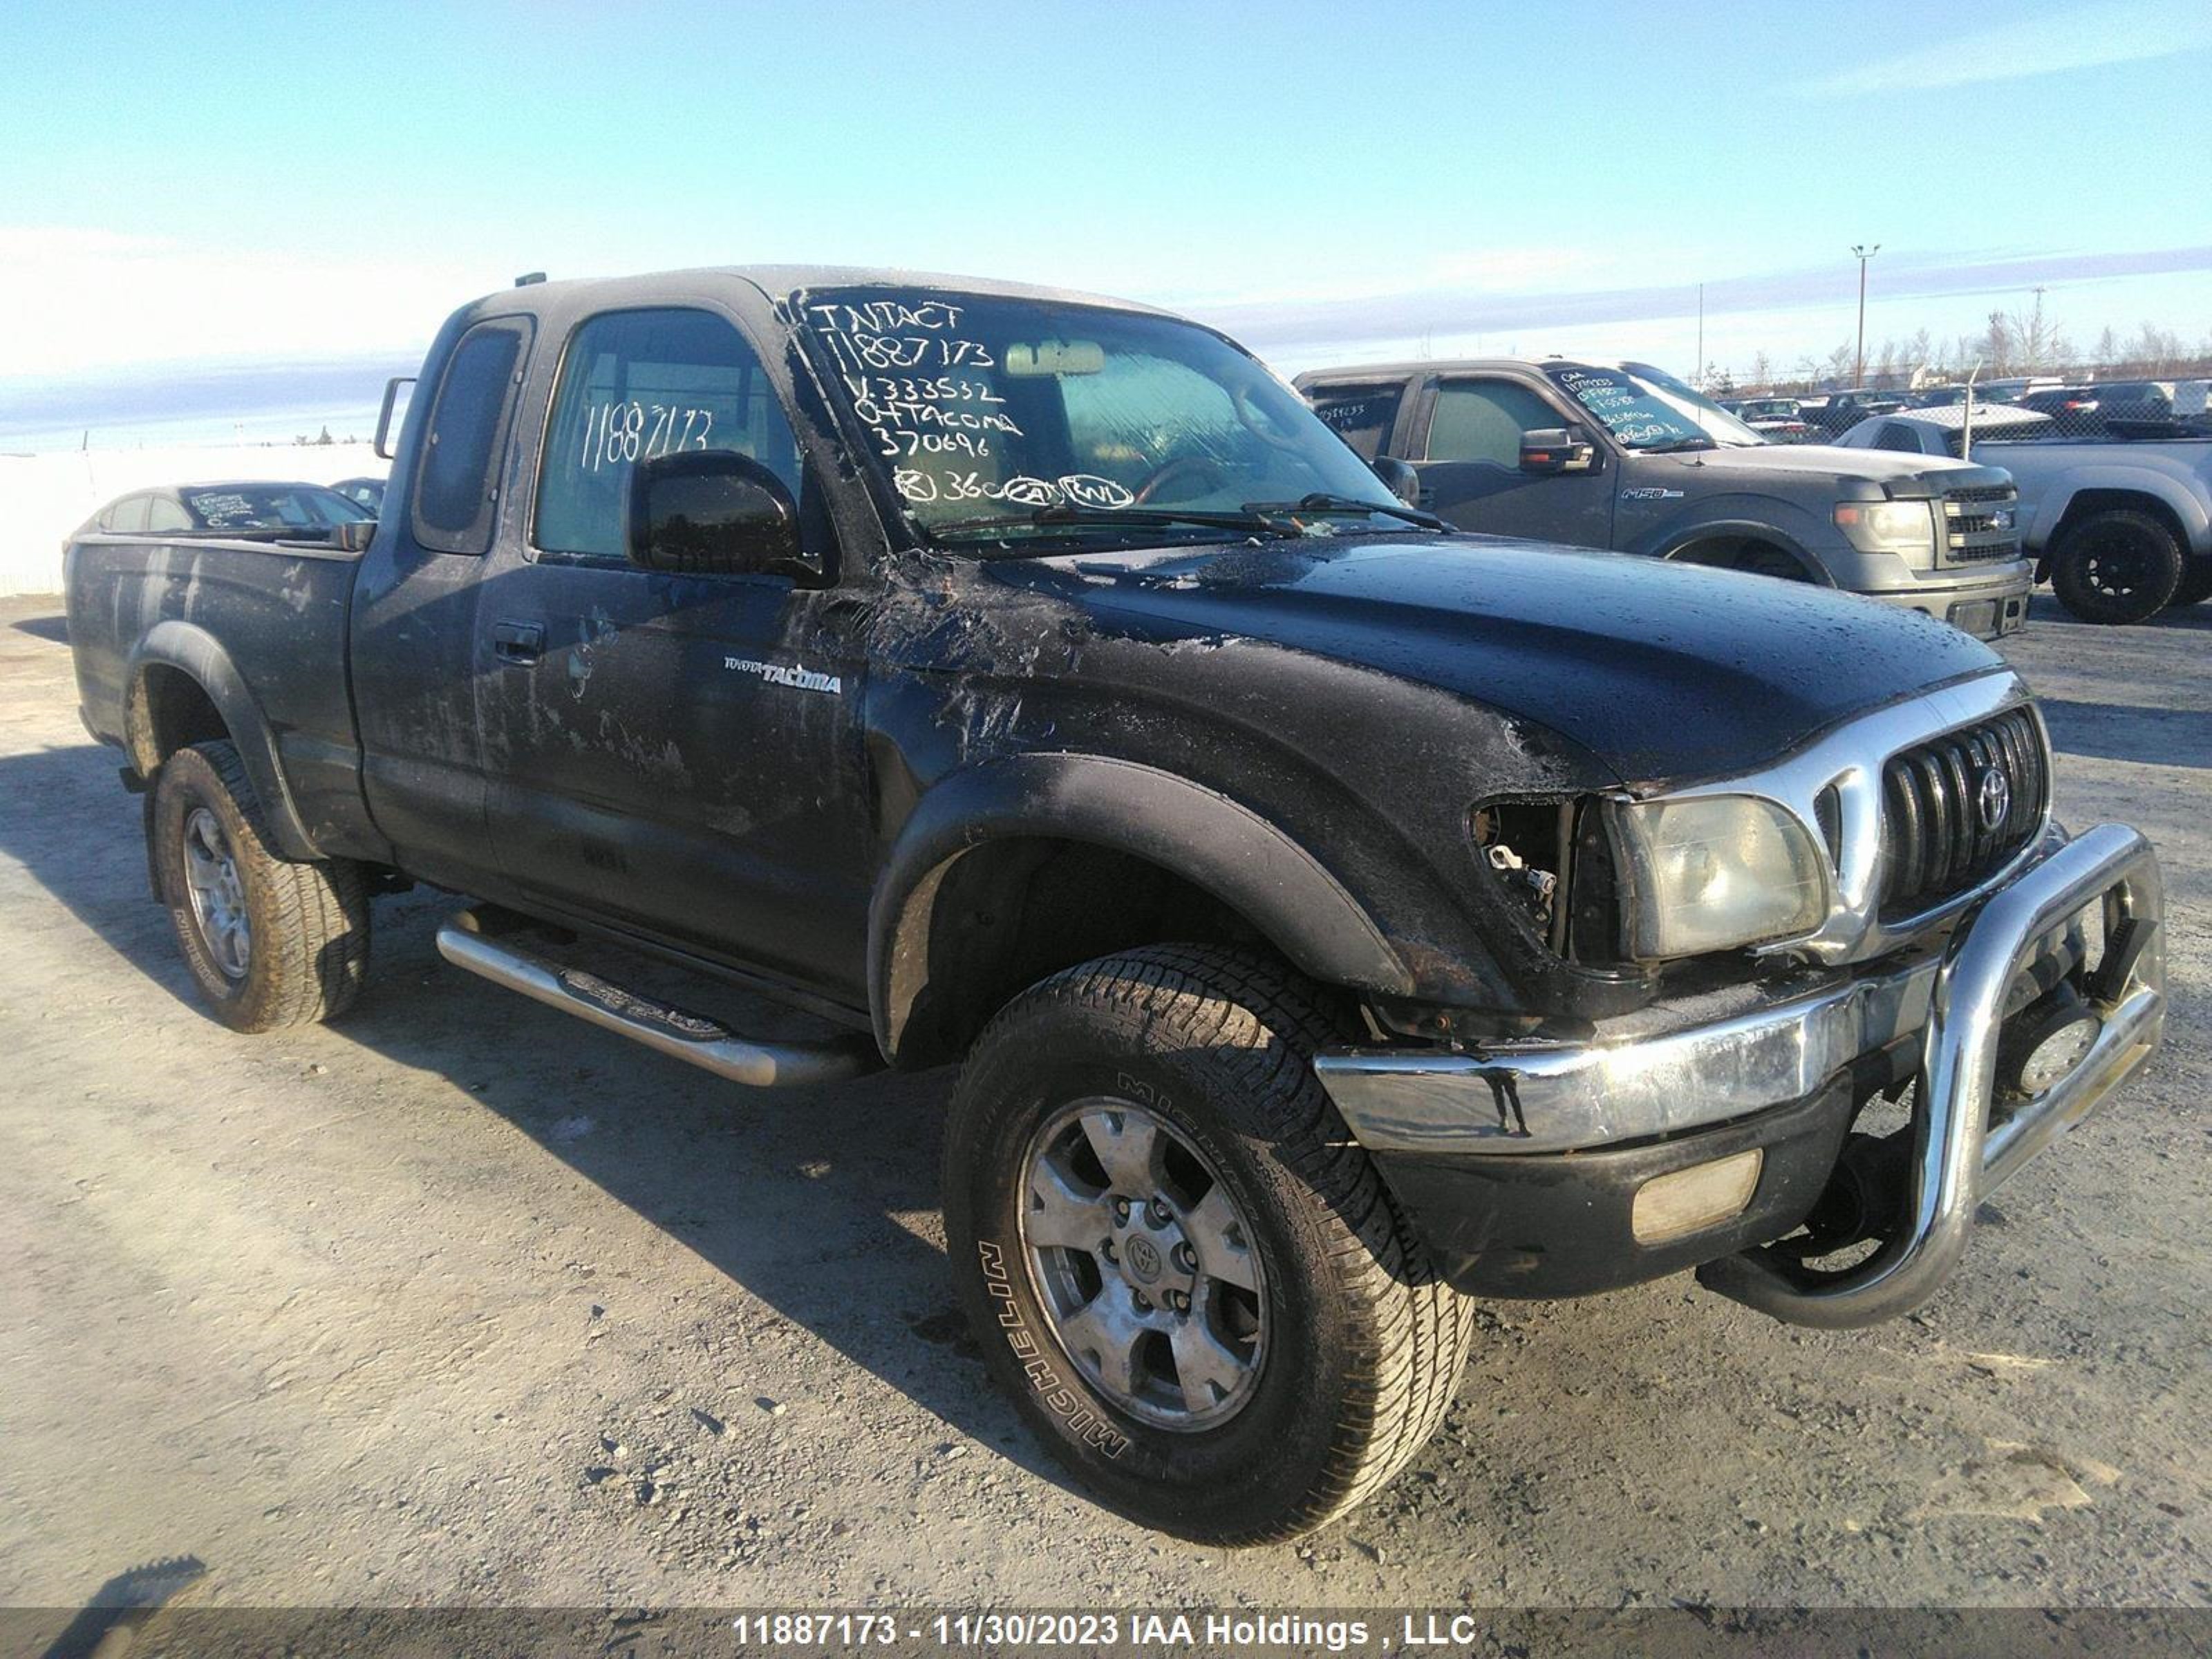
x=44, y=497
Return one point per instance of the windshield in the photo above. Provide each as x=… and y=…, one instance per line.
x=1645, y=408
x=271, y=506
x=1000, y=419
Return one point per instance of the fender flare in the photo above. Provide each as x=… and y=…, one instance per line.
x=1681, y=538
x=199, y=656
x=2188, y=511
x=1200, y=833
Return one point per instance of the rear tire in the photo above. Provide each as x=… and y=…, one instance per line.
x=1314, y=1351
x=271, y=943
x=2116, y=567
x=2196, y=585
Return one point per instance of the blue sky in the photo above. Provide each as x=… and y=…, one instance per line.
x=250, y=212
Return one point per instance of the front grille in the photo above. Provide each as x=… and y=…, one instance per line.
x=1978, y=523
x=1937, y=839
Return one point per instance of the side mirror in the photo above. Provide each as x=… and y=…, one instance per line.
x=354, y=536
x=713, y=513
x=392, y=388
x=1555, y=449
x=1398, y=478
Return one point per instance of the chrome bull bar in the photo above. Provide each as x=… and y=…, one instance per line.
x=1958, y=1156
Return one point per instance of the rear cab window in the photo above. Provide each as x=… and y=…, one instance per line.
x=1362, y=416
x=637, y=384
x=456, y=488
x=127, y=514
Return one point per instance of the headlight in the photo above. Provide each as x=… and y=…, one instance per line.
x=1887, y=526
x=1718, y=872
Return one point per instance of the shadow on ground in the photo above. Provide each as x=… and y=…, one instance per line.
x=821, y=1203
x=2128, y=732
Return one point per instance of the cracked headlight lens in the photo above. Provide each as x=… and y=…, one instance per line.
x=1718, y=872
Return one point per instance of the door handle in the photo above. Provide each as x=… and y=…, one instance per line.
x=517, y=643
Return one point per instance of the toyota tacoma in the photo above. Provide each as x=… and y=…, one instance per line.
x=1336, y=919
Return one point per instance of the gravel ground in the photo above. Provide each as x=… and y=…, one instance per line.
x=460, y=1300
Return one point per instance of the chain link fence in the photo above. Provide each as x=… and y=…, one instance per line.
x=2074, y=403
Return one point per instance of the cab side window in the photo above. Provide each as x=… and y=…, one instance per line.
x=1483, y=421
x=127, y=514
x=635, y=385
x=457, y=478
x=162, y=513
x=1360, y=414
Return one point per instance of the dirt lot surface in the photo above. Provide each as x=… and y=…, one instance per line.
x=459, y=1300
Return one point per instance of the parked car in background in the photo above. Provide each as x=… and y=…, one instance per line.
x=2152, y=408
x=1937, y=396
x=2072, y=409
x=2120, y=527
x=1842, y=411
x=252, y=507
x=1945, y=428
x=363, y=492
x=1626, y=456
x=1777, y=420
x=2011, y=388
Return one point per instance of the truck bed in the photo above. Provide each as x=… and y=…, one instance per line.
x=260, y=620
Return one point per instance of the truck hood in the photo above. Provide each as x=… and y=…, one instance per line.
x=1662, y=672
x=1847, y=466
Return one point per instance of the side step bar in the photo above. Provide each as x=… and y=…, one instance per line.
x=687, y=1037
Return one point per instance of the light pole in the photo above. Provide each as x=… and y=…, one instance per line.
x=1864, y=253
x=1698, y=378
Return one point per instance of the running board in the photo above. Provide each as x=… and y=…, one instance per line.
x=667, y=1030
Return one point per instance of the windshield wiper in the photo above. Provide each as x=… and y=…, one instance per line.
x=1676, y=446
x=1322, y=500
x=1248, y=521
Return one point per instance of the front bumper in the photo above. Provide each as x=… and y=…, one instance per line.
x=1514, y=1162
x=1987, y=610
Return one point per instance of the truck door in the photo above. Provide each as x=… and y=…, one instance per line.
x=1470, y=466
x=674, y=755
x=413, y=658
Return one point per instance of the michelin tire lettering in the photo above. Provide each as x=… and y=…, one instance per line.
x=1062, y=1402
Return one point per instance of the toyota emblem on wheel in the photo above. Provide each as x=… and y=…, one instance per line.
x=1994, y=797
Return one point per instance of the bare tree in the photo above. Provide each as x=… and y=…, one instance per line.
x=2108, y=351
x=1840, y=360
x=1762, y=373
x=2037, y=340
x=2155, y=350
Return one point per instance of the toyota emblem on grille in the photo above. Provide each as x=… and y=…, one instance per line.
x=1994, y=798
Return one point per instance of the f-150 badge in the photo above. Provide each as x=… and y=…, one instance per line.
x=1651, y=493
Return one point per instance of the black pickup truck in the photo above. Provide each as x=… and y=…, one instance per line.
x=1340, y=918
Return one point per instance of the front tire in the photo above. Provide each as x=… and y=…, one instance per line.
x=1186, y=1272
x=2115, y=567
x=271, y=943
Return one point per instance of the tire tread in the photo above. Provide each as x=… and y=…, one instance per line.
x=1418, y=1329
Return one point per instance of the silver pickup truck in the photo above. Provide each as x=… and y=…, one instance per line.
x=2121, y=528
